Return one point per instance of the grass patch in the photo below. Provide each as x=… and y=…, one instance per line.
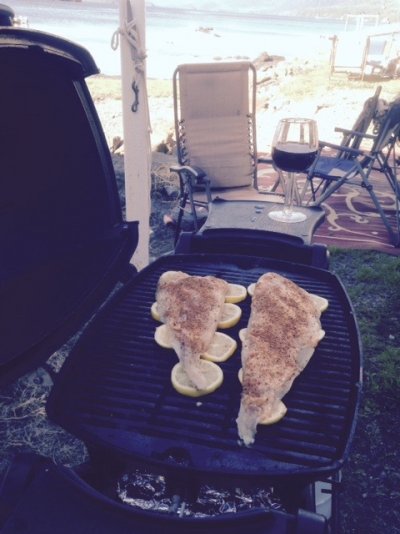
x=109, y=87
x=372, y=474
x=317, y=82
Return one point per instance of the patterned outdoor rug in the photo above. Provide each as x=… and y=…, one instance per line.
x=351, y=217
x=353, y=222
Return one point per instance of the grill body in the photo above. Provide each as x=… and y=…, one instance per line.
x=114, y=391
x=47, y=498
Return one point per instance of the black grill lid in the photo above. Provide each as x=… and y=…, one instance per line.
x=114, y=391
x=63, y=242
x=6, y=15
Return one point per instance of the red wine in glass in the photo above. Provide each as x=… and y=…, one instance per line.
x=293, y=157
x=294, y=148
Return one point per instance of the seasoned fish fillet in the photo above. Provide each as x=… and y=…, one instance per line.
x=283, y=331
x=191, y=307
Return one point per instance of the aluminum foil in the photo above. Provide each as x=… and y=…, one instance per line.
x=149, y=492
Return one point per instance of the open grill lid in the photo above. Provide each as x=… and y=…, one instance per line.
x=63, y=242
x=115, y=393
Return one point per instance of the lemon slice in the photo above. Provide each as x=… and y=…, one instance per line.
x=242, y=334
x=240, y=375
x=321, y=302
x=278, y=413
x=231, y=314
x=236, y=293
x=276, y=416
x=251, y=288
x=222, y=347
x=321, y=335
x=162, y=337
x=211, y=371
x=154, y=312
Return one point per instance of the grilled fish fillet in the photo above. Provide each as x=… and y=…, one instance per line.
x=191, y=307
x=283, y=331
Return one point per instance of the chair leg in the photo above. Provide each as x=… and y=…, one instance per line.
x=391, y=175
x=181, y=208
x=393, y=235
x=324, y=189
x=396, y=188
x=193, y=207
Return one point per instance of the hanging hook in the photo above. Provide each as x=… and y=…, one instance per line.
x=135, y=104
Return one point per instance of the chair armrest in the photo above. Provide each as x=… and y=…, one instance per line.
x=191, y=176
x=355, y=133
x=353, y=151
x=194, y=172
x=263, y=159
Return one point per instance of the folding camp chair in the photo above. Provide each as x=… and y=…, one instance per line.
x=215, y=127
x=348, y=165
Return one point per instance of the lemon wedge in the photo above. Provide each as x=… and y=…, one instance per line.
x=236, y=293
x=162, y=337
x=242, y=334
x=222, y=347
x=231, y=314
x=181, y=383
x=154, y=312
x=321, y=302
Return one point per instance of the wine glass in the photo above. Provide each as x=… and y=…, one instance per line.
x=294, y=148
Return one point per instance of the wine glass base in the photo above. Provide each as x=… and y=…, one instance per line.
x=287, y=216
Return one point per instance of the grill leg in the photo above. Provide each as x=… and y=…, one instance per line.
x=329, y=509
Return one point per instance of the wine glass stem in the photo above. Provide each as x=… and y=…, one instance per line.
x=288, y=206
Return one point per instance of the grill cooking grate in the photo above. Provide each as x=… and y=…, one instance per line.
x=115, y=390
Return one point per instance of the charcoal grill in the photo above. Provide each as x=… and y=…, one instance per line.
x=114, y=390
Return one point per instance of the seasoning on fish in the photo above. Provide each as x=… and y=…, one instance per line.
x=191, y=307
x=283, y=330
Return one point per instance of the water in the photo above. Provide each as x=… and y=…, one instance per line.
x=173, y=35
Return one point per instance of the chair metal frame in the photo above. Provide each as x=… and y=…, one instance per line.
x=354, y=166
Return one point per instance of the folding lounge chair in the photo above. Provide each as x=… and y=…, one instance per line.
x=350, y=165
x=215, y=127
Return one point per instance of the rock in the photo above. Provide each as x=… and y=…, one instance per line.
x=117, y=143
x=170, y=192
